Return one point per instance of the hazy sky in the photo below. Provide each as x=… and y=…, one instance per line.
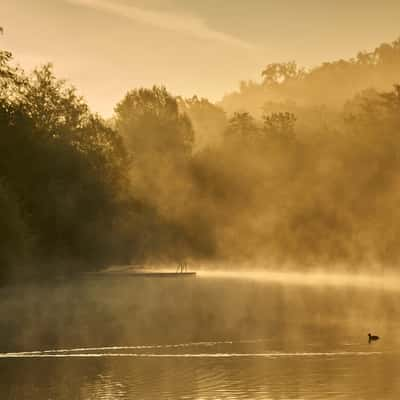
x=204, y=47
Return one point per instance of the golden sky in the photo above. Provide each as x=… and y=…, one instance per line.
x=204, y=47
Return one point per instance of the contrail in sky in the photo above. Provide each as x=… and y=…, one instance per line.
x=184, y=24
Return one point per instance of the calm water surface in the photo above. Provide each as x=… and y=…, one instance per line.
x=200, y=338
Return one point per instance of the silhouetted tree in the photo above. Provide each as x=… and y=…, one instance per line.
x=150, y=122
x=64, y=169
x=281, y=124
x=277, y=73
x=52, y=105
x=242, y=126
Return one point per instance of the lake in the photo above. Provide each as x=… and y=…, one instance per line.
x=215, y=336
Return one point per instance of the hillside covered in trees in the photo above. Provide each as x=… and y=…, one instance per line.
x=327, y=86
x=300, y=169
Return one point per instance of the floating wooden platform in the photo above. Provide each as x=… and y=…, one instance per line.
x=132, y=274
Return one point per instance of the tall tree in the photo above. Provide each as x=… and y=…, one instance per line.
x=150, y=122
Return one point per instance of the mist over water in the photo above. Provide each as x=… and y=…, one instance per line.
x=382, y=282
x=243, y=335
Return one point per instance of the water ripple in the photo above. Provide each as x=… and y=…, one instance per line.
x=191, y=355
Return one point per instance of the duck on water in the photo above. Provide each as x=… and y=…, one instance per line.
x=372, y=338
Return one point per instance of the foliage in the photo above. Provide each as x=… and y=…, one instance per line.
x=330, y=83
x=241, y=126
x=150, y=121
x=310, y=178
x=65, y=170
x=279, y=124
x=277, y=73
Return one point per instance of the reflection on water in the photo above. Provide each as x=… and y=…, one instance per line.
x=202, y=338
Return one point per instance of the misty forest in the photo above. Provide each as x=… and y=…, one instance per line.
x=298, y=168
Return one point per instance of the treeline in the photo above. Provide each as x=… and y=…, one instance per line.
x=170, y=178
x=324, y=88
x=68, y=180
x=61, y=173
x=314, y=199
